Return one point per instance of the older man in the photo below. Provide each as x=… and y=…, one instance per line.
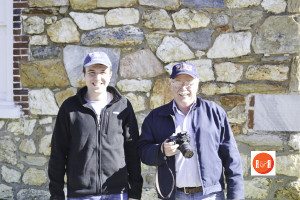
x=198, y=169
x=94, y=141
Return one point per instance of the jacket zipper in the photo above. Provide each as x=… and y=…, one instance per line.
x=97, y=146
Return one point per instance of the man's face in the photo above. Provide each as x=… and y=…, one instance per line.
x=97, y=78
x=184, y=89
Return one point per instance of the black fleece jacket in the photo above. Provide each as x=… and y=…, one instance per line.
x=97, y=158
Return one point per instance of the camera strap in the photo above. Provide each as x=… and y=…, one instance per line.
x=156, y=176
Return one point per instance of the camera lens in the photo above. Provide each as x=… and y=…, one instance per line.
x=188, y=154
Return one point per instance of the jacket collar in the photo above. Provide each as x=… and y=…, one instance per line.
x=168, y=108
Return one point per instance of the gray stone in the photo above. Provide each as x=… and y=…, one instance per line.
x=230, y=45
x=138, y=102
x=157, y=19
x=74, y=57
x=198, y=39
x=166, y=4
x=118, y=36
x=35, y=177
x=34, y=160
x=290, y=191
x=26, y=194
x=38, y=40
x=39, y=98
x=277, y=113
x=51, y=20
x=63, y=31
x=237, y=115
x=245, y=19
x=2, y=124
x=278, y=35
x=257, y=188
x=187, y=19
x=288, y=165
x=261, y=140
x=10, y=175
x=83, y=5
x=229, y=72
x=63, y=95
x=161, y=93
x=203, y=3
x=274, y=6
x=45, y=145
x=242, y=3
x=246, y=164
x=213, y=88
x=122, y=16
x=6, y=192
x=22, y=126
x=294, y=85
x=33, y=25
x=154, y=39
x=267, y=72
x=8, y=151
x=46, y=120
x=293, y=6
x=294, y=141
x=115, y=3
x=48, y=3
x=219, y=20
x=88, y=21
x=27, y=146
x=44, y=52
x=260, y=88
x=173, y=49
x=133, y=65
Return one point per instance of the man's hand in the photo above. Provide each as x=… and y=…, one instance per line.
x=170, y=148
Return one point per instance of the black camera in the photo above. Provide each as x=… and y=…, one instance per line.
x=183, y=139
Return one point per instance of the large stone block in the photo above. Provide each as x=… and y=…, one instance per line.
x=83, y=5
x=88, y=21
x=278, y=35
x=257, y=188
x=42, y=102
x=115, y=3
x=122, y=16
x=203, y=3
x=161, y=93
x=8, y=151
x=157, y=19
x=267, y=72
x=133, y=65
x=173, y=49
x=229, y=72
x=64, y=31
x=26, y=194
x=260, y=88
x=288, y=165
x=117, y=36
x=274, y=6
x=166, y=4
x=187, y=19
x=242, y=3
x=294, y=85
x=245, y=19
x=198, y=39
x=48, y=3
x=293, y=6
x=46, y=73
x=230, y=45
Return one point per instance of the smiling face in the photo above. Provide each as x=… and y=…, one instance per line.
x=97, y=78
x=184, y=89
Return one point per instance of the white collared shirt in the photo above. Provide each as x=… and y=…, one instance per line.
x=187, y=169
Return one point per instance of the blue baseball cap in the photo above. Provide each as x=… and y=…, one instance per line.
x=97, y=58
x=184, y=68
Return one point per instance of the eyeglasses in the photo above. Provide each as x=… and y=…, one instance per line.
x=180, y=84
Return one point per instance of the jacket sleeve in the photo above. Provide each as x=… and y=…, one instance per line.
x=57, y=161
x=132, y=158
x=148, y=147
x=231, y=160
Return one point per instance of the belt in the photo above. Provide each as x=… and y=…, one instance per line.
x=190, y=190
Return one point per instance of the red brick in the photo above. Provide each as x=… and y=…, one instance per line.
x=25, y=38
x=16, y=79
x=17, y=52
x=24, y=58
x=25, y=98
x=252, y=101
x=17, y=85
x=26, y=112
x=24, y=105
x=251, y=119
x=17, y=58
x=16, y=72
x=17, y=98
x=20, y=5
x=20, y=45
x=20, y=92
x=16, y=65
x=24, y=51
x=17, y=31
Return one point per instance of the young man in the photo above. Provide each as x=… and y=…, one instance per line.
x=212, y=147
x=94, y=141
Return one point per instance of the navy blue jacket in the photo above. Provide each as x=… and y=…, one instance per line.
x=216, y=148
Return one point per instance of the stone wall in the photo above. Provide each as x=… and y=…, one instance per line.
x=240, y=47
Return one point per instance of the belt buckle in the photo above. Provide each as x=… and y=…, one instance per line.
x=185, y=190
